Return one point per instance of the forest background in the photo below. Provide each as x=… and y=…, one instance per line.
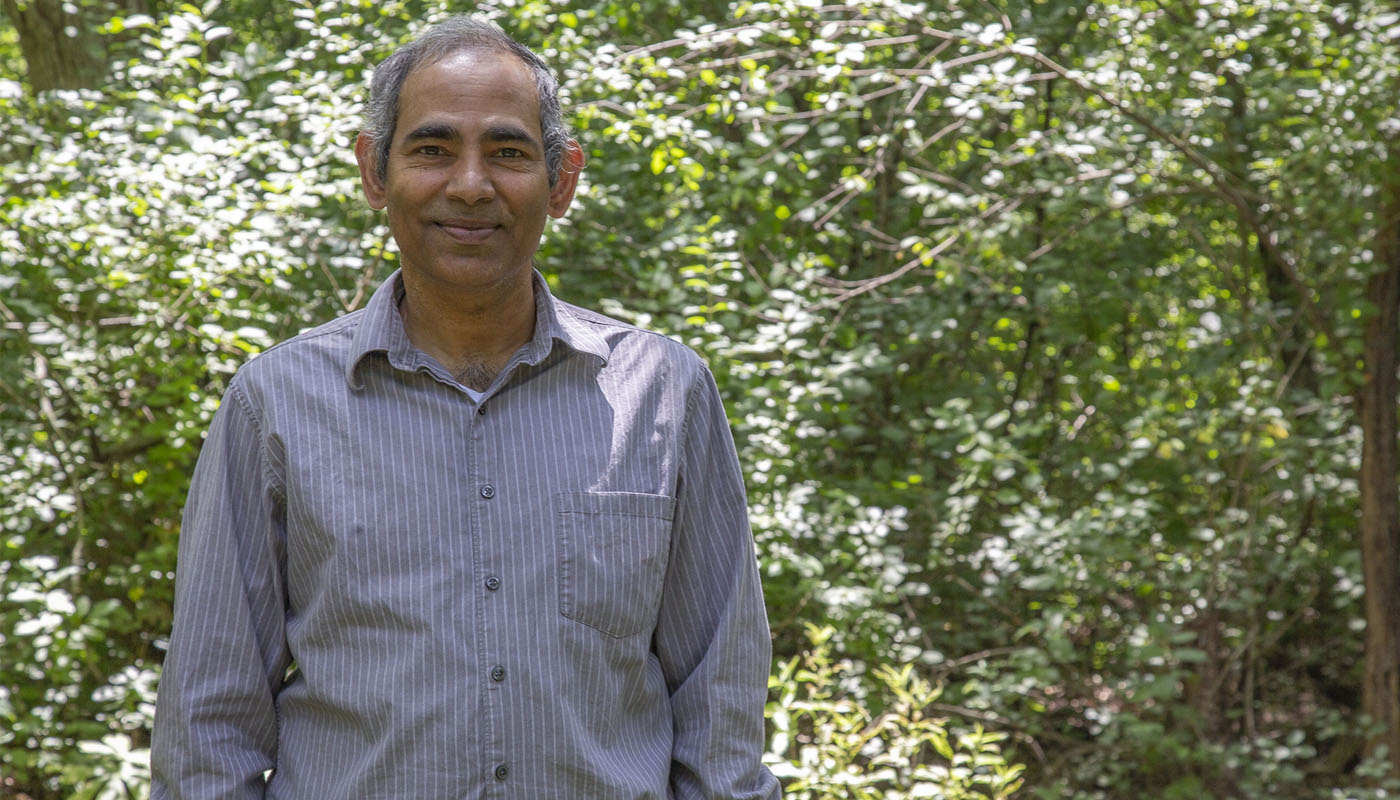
x=1059, y=341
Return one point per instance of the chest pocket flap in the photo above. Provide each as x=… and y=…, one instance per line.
x=613, y=549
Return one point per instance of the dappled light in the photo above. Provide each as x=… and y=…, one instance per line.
x=1046, y=330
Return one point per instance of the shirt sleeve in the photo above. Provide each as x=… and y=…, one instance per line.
x=215, y=731
x=712, y=631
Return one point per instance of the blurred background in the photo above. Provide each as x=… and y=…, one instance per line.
x=1059, y=341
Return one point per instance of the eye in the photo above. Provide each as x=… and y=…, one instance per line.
x=431, y=150
x=510, y=152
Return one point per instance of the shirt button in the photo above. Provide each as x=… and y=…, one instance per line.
x=481, y=410
x=493, y=583
x=498, y=674
x=501, y=772
x=488, y=491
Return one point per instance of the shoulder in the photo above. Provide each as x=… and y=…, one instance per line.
x=631, y=347
x=313, y=357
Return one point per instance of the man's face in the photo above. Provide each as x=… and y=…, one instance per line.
x=467, y=189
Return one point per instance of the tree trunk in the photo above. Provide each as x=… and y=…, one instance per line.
x=56, y=60
x=1380, y=493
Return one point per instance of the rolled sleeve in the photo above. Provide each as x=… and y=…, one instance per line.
x=215, y=733
x=712, y=634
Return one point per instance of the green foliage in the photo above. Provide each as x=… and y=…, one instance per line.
x=1037, y=322
x=148, y=241
x=838, y=734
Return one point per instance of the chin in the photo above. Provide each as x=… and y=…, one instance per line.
x=470, y=275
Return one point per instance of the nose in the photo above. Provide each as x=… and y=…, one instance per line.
x=470, y=181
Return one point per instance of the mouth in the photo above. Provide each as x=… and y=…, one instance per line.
x=467, y=231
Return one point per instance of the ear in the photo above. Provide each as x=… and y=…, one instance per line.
x=563, y=192
x=369, y=176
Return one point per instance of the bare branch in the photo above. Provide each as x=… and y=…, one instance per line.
x=874, y=283
x=1224, y=188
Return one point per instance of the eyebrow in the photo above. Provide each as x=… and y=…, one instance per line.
x=433, y=130
x=509, y=133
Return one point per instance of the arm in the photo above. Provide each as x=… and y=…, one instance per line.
x=215, y=725
x=712, y=630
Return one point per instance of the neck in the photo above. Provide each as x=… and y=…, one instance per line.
x=471, y=333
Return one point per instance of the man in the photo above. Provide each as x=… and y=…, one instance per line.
x=469, y=541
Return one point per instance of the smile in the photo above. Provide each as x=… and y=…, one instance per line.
x=468, y=232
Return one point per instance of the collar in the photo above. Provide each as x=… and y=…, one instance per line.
x=381, y=331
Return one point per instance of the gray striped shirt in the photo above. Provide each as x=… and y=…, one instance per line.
x=388, y=590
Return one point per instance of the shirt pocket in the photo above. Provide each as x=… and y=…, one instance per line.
x=613, y=549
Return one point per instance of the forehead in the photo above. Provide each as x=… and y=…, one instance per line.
x=470, y=88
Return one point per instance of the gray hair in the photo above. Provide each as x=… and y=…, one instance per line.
x=453, y=35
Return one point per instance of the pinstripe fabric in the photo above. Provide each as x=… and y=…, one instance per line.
x=388, y=590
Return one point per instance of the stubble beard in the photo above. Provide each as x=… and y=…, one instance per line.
x=475, y=374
